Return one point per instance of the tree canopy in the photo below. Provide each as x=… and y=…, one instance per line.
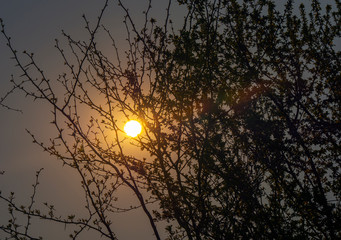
x=240, y=109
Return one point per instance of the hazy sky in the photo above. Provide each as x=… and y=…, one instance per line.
x=33, y=25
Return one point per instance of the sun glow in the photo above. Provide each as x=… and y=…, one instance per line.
x=132, y=128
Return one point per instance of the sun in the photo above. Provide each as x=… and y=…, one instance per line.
x=132, y=128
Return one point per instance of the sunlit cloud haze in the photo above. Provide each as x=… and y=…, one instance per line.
x=34, y=26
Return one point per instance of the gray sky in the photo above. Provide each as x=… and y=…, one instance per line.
x=33, y=25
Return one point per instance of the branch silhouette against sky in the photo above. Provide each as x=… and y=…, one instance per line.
x=239, y=110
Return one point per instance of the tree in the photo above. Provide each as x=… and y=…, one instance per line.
x=241, y=116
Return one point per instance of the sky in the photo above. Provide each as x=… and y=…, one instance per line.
x=33, y=26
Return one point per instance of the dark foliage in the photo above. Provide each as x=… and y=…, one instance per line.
x=241, y=115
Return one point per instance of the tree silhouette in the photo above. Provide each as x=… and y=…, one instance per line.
x=240, y=110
